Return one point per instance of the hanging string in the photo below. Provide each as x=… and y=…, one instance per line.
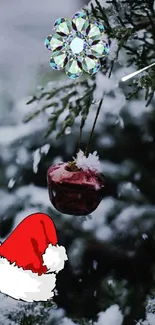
x=94, y=124
x=93, y=127
x=97, y=114
x=80, y=137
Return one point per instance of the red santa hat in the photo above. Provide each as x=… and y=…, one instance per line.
x=30, y=258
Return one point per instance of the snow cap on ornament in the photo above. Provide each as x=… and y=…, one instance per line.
x=77, y=187
x=30, y=258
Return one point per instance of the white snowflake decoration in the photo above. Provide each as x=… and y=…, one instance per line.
x=77, y=45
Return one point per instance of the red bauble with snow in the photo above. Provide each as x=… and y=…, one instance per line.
x=76, y=188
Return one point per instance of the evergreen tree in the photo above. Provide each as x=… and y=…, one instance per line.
x=112, y=254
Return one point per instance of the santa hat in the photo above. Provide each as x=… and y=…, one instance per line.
x=30, y=258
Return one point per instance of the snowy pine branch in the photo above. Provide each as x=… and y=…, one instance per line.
x=75, y=98
x=124, y=23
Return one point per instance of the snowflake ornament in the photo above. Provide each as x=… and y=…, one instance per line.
x=77, y=45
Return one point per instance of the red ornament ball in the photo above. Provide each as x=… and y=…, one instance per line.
x=75, y=191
